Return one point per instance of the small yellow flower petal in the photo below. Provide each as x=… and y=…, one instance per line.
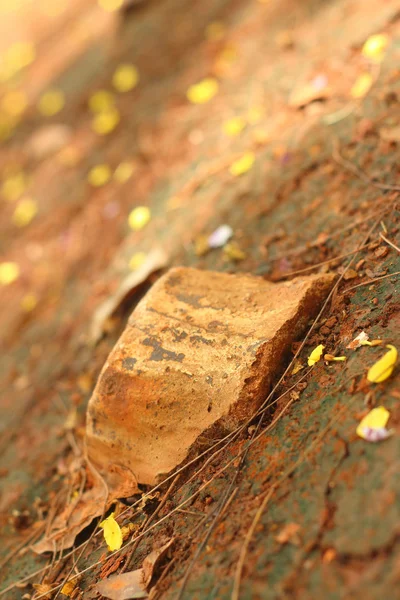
x=17, y=57
x=125, y=78
x=29, y=302
x=101, y=101
x=375, y=46
x=14, y=103
x=377, y=418
x=137, y=260
x=99, y=175
x=51, y=102
x=112, y=533
x=315, y=355
x=331, y=358
x=383, y=368
x=14, y=186
x=9, y=272
x=123, y=172
x=361, y=86
x=139, y=217
x=24, y=212
x=110, y=5
x=202, y=92
x=243, y=164
x=105, y=122
x=234, y=126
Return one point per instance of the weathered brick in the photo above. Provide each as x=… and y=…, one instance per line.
x=198, y=356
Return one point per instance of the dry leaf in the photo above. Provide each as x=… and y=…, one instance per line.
x=123, y=586
x=155, y=260
x=72, y=520
x=383, y=368
x=134, y=583
x=358, y=341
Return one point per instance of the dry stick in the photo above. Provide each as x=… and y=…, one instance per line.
x=269, y=493
x=370, y=282
x=221, y=508
x=148, y=521
x=389, y=242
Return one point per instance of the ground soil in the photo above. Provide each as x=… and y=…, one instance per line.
x=321, y=504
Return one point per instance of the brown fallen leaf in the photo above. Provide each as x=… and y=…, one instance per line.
x=134, y=583
x=155, y=260
x=69, y=523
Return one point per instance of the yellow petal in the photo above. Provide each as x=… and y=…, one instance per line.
x=29, y=302
x=383, y=368
x=24, y=212
x=14, y=186
x=375, y=46
x=202, y=92
x=9, y=272
x=361, y=86
x=112, y=533
x=99, y=175
x=234, y=126
x=125, y=78
x=375, y=419
x=51, y=102
x=243, y=164
x=123, y=172
x=315, y=355
x=137, y=260
x=101, y=101
x=14, y=103
x=105, y=122
x=139, y=217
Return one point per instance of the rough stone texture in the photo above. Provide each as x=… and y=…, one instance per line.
x=199, y=354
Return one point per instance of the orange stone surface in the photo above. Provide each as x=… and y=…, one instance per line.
x=198, y=356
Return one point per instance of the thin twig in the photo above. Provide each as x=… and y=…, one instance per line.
x=370, y=282
x=389, y=242
x=147, y=522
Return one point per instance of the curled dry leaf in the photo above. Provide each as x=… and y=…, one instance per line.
x=134, y=583
x=156, y=259
x=72, y=520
